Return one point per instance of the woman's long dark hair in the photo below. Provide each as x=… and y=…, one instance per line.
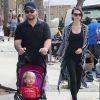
x=75, y=8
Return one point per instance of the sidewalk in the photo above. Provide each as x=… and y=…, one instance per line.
x=7, y=46
x=8, y=60
x=62, y=96
x=52, y=93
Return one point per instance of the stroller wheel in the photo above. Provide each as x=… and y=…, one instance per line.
x=17, y=96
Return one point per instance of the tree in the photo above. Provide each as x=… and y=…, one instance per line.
x=39, y=4
x=6, y=11
x=6, y=14
x=80, y=3
x=19, y=2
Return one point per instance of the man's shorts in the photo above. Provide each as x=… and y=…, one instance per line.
x=12, y=29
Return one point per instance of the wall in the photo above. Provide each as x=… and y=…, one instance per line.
x=58, y=11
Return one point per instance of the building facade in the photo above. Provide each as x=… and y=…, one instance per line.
x=58, y=11
x=55, y=9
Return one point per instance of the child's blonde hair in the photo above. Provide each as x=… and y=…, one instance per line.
x=28, y=73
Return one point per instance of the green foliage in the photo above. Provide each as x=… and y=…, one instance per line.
x=20, y=1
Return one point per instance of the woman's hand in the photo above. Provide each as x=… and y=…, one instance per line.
x=78, y=51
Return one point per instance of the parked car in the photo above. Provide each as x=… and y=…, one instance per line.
x=91, y=12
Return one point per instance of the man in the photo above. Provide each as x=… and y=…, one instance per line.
x=92, y=40
x=92, y=32
x=33, y=33
x=32, y=36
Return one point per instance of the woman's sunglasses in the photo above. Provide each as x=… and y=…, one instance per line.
x=29, y=11
x=77, y=14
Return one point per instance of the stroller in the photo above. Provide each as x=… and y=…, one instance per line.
x=40, y=71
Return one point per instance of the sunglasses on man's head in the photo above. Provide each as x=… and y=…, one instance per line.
x=29, y=11
x=77, y=14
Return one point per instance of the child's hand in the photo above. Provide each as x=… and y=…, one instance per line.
x=38, y=95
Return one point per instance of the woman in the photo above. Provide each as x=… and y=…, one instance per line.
x=72, y=51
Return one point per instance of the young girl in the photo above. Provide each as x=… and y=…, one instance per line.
x=30, y=90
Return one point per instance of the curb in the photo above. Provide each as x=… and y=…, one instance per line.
x=7, y=89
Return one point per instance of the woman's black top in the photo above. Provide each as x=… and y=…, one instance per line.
x=75, y=42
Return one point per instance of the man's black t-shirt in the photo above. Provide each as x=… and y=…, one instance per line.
x=33, y=38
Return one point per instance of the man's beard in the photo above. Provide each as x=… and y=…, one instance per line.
x=32, y=18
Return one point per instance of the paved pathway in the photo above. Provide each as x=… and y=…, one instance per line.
x=8, y=60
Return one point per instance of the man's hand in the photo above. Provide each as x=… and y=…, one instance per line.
x=78, y=51
x=21, y=51
x=43, y=51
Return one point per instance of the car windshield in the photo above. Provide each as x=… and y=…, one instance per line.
x=95, y=13
x=91, y=12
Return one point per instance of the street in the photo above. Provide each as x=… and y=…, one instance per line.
x=8, y=60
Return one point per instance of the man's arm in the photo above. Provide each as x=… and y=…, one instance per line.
x=47, y=43
x=18, y=47
x=17, y=44
x=47, y=40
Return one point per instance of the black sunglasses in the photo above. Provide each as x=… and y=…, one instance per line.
x=77, y=14
x=29, y=11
